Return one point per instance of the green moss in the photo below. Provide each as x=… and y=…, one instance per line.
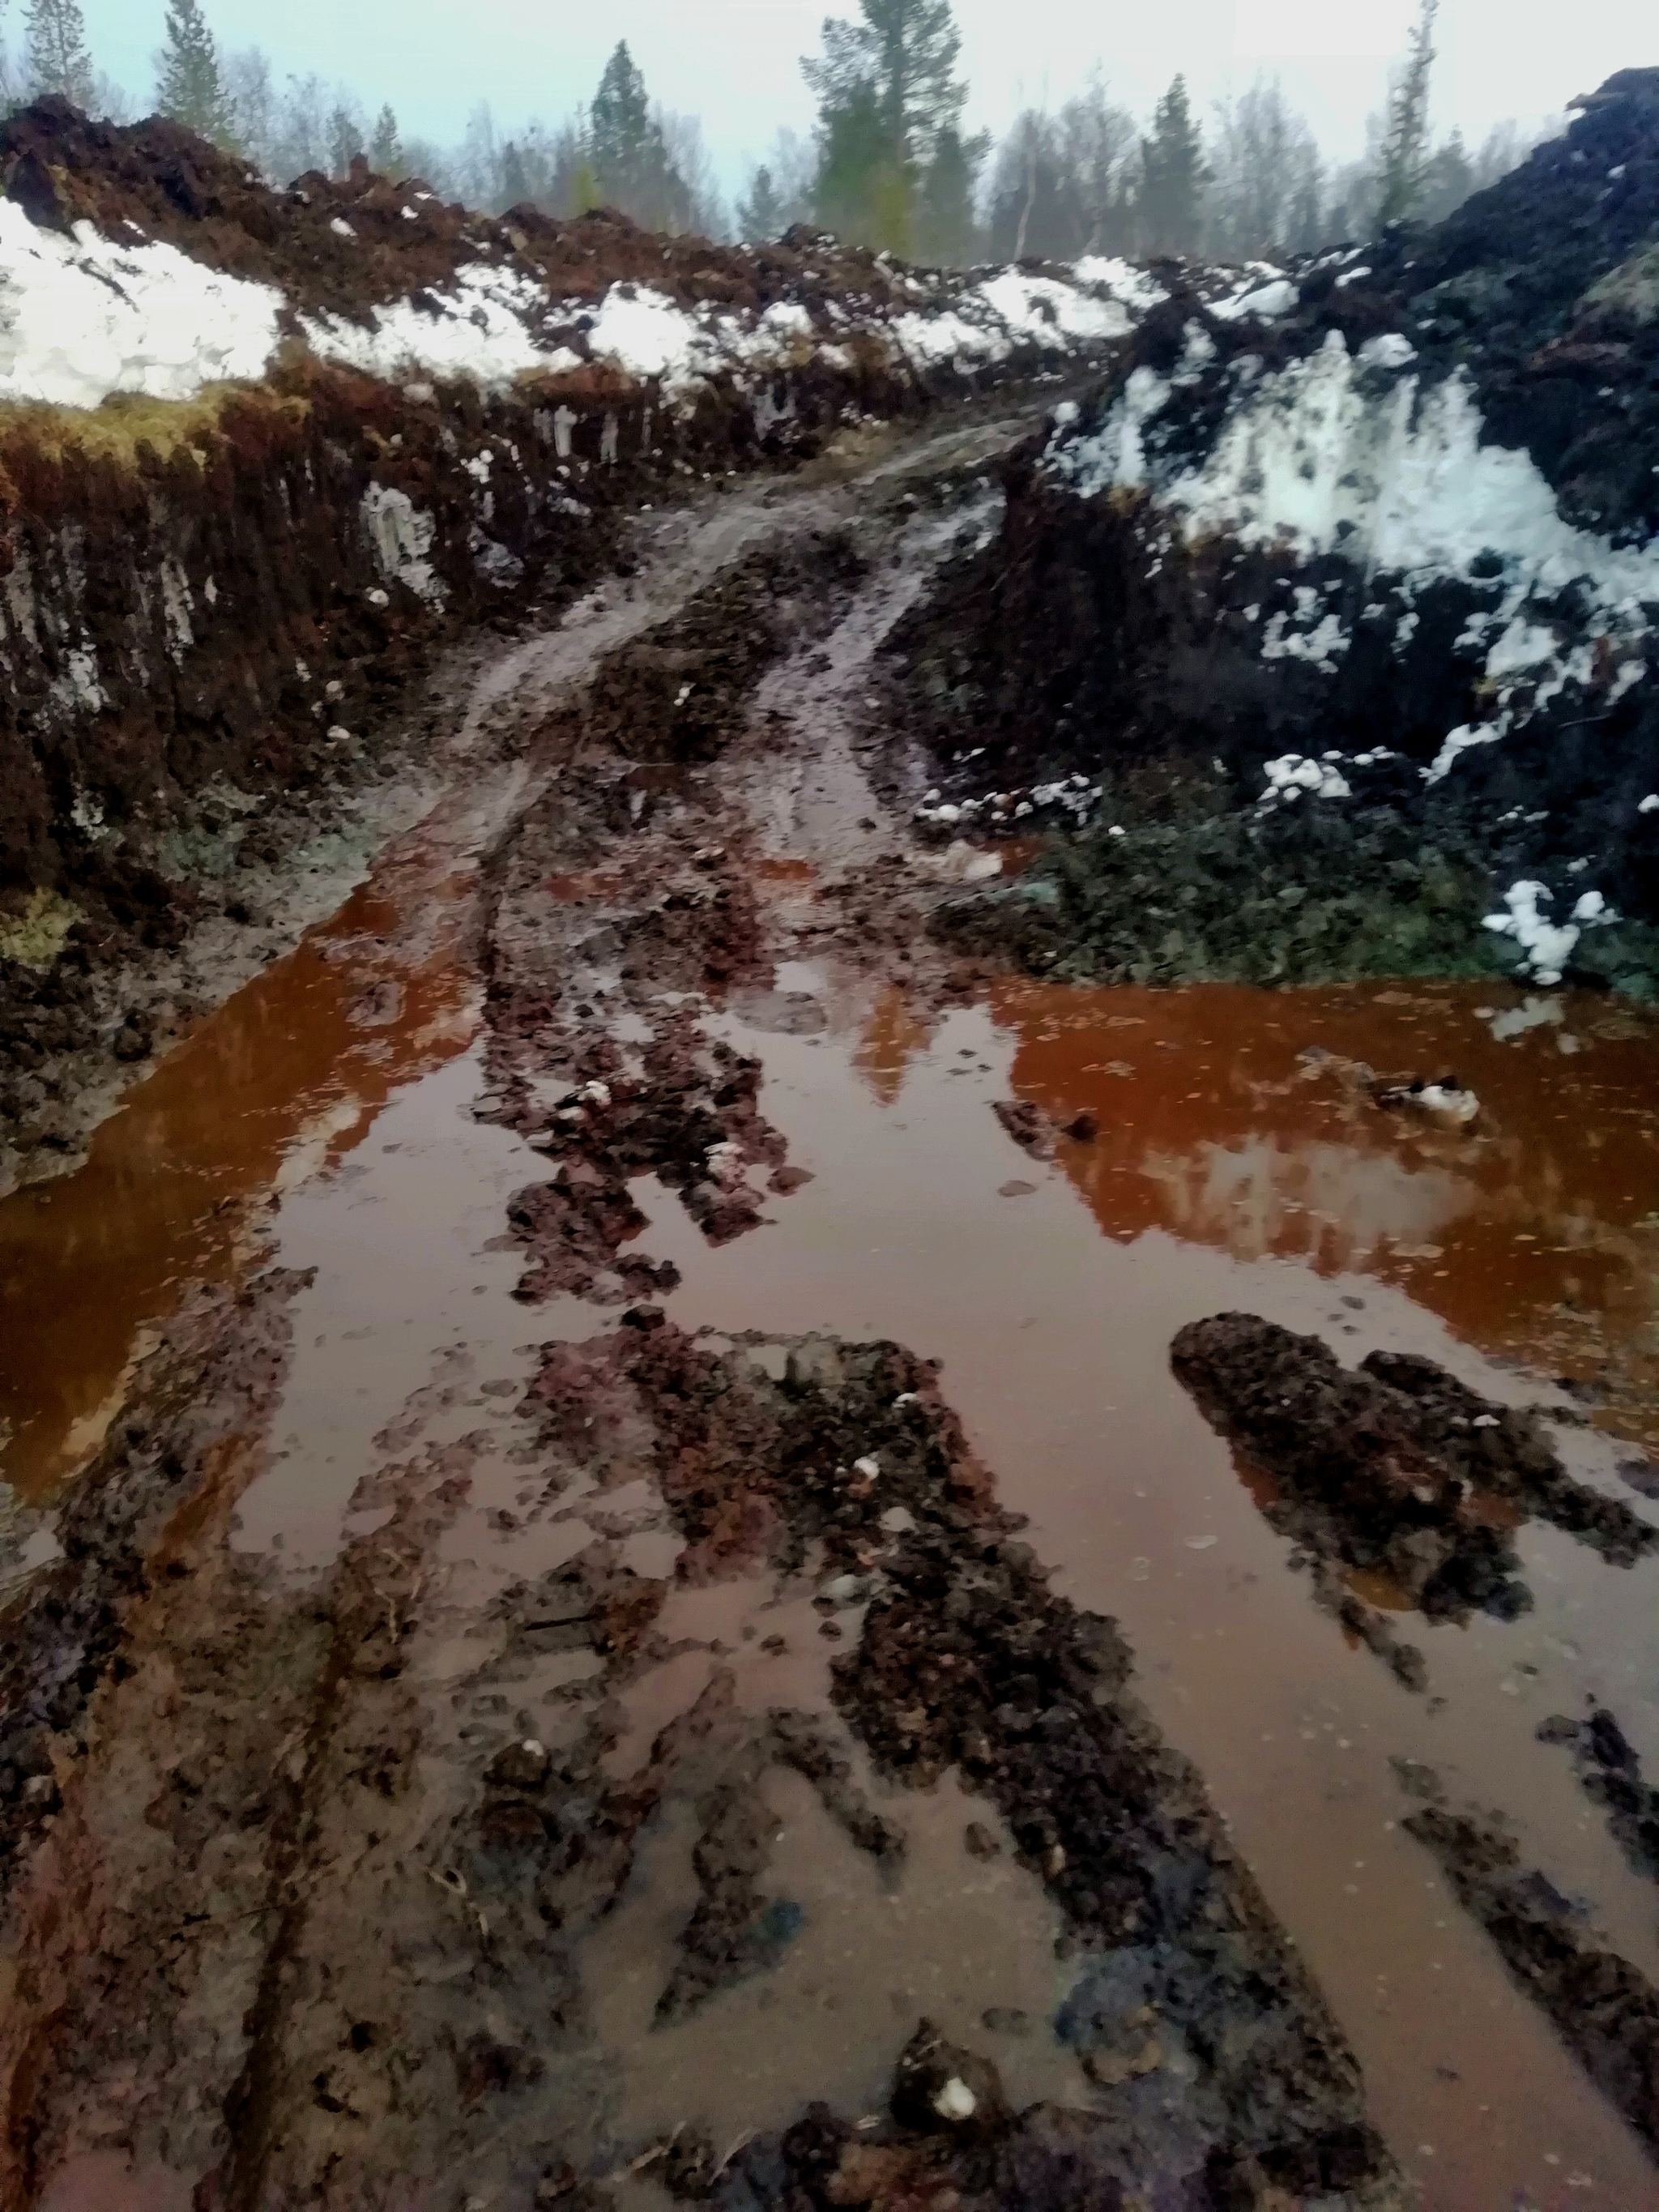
x=35, y=938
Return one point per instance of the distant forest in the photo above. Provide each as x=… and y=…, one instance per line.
x=887, y=163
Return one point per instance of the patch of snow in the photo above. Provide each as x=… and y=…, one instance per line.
x=1392, y=350
x=1265, y=303
x=400, y=536
x=1649, y=804
x=1292, y=774
x=1312, y=458
x=81, y=317
x=478, y=329
x=1546, y=946
x=1448, y=1103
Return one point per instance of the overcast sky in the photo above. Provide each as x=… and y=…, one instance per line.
x=736, y=63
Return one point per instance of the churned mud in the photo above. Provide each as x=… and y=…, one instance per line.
x=613, y=1593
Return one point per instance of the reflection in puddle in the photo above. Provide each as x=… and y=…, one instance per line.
x=1055, y=1343
x=284, y=1078
x=1534, y=1233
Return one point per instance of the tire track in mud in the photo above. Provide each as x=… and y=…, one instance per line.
x=123, y=1584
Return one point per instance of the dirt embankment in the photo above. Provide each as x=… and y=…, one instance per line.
x=1167, y=666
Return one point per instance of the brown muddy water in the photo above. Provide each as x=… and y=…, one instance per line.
x=1238, y=1165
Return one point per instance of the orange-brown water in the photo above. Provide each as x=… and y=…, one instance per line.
x=1534, y=1232
x=1230, y=1170
x=288, y=1074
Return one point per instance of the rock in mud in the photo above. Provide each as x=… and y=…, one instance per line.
x=937, y=2086
x=1395, y=1468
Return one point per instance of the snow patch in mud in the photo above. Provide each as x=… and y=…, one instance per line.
x=1347, y=454
x=81, y=317
x=400, y=537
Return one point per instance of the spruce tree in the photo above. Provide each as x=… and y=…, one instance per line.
x=631, y=165
x=1405, y=150
x=345, y=138
x=1173, y=176
x=56, y=58
x=887, y=92
x=189, y=86
x=515, y=178
x=760, y=217
x=945, y=231
x=385, y=151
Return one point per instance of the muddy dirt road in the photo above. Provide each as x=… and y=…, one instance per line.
x=613, y=1595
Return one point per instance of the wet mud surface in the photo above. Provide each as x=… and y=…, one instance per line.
x=618, y=1599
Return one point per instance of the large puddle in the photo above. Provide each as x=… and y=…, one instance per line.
x=1238, y=1164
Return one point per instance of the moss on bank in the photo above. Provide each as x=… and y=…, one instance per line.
x=1191, y=890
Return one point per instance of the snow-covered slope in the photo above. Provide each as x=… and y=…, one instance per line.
x=83, y=316
x=1356, y=453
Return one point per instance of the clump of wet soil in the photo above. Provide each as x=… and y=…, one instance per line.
x=1396, y=1466
x=1605, y=2010
x=1611, y=1773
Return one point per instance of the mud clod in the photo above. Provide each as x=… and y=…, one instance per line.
x=1396, y=1466
x=1607, y=2011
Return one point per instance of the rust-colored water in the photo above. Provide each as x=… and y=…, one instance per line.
x=288, y=1074
x=1230, y=1172
x=1533, y=1233
x=1231, y=1168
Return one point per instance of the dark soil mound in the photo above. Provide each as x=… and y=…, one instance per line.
x=1089, y=638
x=158, y=177
x=1396, y=1466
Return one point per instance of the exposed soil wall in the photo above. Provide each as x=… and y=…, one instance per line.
x=1093, y=637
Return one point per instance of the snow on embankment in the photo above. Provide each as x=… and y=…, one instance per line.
x=83, y=317
x=1371, y=545
x=1352, y=461
x=1343, y=452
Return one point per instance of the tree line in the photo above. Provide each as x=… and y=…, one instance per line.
x=888, y=163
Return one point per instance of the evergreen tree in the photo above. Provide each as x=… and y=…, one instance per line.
x=760, y=217
x=887, y=92
x=858, y=193
x=1405, y=150
x=386, y=151
x=344, y=137
x=629, y=161
x=56, y=55
x=945, y=231
x=1173, y=176
x=189, y=86
x=1447, y=179
x=515, y=187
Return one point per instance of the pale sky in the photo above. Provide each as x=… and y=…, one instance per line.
x=736, y=63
